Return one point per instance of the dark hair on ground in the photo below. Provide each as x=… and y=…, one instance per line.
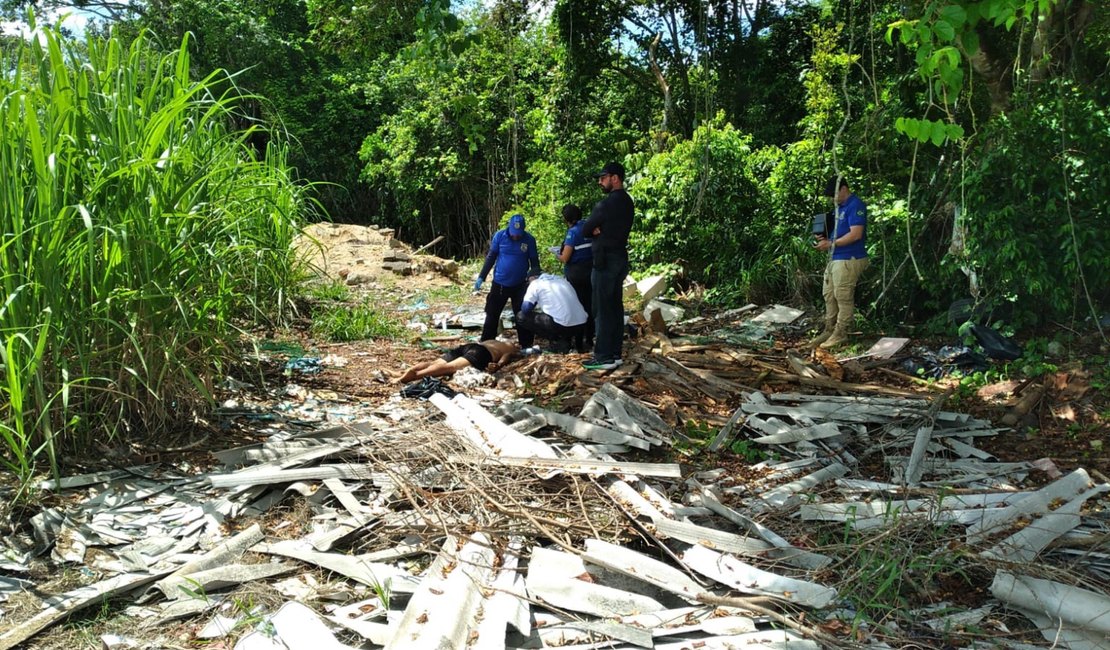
x=571, y=213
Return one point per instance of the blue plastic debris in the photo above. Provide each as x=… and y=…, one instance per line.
x=303, y=365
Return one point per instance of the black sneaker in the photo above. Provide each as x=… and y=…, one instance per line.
x=596, y=364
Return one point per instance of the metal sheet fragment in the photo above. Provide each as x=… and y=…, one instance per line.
x=558, y=578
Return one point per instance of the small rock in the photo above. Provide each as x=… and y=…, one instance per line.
x=357, y=277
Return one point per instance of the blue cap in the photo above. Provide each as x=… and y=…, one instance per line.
x=516, y=225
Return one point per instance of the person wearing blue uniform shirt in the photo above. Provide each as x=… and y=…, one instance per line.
x=610, y=223
x=514, y=260
x=577, y=256
x=847, y=261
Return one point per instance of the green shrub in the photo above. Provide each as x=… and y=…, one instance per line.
x=1037, y=231
x=334, y=291
x=346, y=323
x=696, y=206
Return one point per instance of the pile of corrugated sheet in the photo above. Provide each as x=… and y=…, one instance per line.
x=935, y=474
x=529, y=540
x=447, y=523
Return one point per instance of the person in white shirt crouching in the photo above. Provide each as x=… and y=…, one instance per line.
x=551, y=310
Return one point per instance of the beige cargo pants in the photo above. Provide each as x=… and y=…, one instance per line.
x=840, y=291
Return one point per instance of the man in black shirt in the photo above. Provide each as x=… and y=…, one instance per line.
x=609, y=223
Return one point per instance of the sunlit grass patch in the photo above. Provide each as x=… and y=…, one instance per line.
x=355, y=323
x=334, y=291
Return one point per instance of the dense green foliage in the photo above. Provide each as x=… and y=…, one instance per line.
x=437, y=117
x=138, y=229
x=1037, y=227
x=975, y=130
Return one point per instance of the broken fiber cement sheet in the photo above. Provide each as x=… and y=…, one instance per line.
x=553, y=576
x=293, y=627
x=779, y=315
x=485, y=431
x=746, y=578
x=1067, y=616
x=446, y=606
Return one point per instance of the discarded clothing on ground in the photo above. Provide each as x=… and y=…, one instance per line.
x=427, y=387
x=995, y=345
x=945, y=361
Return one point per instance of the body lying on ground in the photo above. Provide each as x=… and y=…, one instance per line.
x=485, y=356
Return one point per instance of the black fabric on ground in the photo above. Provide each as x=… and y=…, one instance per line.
x=427, y=387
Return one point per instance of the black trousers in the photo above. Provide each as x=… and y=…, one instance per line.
x=495, y=304
x=579, y=276
x=546, y=327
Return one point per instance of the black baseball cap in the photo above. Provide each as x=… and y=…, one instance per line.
x=614, y=168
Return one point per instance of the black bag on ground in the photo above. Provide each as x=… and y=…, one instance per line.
x=427, y=387
x=994, y=344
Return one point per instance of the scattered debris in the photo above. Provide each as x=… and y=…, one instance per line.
x=479, y=520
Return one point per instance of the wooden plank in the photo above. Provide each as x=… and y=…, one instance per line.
x=800, y=366
x=827, y=382
x=851, y=399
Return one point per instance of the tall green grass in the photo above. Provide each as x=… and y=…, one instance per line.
x=138, y=233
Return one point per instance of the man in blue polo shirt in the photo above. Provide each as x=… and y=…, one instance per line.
x=514, y=259
x=847, y=262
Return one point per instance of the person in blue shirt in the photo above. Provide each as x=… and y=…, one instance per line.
x=577, y=256
x=514, y=260
x=847, y=261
